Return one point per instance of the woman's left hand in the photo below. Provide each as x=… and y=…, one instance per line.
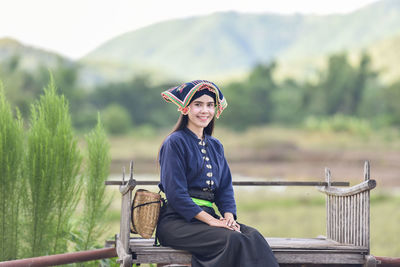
x=230, y=221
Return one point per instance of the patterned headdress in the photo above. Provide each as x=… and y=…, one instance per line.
x=181, y=95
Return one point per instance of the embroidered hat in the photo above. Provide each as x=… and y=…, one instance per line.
x=181, y=95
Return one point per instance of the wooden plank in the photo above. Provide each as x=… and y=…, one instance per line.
x=244, y=183
x=318, y=257
x=163, y=257
x=283, y=257
x=124, y=235
x=306, y=244
x=361, y=187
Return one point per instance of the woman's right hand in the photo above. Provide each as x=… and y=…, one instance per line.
x=211, y=221
x=220, y=223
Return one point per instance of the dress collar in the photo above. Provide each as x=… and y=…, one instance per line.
x=193, y=135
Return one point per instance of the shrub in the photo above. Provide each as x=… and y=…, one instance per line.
x=11, y=153
x=52, y=165
x=117, y=119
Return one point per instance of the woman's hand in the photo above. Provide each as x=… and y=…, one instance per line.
x=230, y=221
x=220, y=223
x=210, y=220
x=227, y=222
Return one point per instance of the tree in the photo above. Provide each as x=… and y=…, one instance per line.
x=52, y=165
x=341, y=88
x=251, y=100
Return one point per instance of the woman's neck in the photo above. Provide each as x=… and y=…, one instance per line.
x=199, y=132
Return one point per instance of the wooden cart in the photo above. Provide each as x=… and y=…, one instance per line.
x=347, y=240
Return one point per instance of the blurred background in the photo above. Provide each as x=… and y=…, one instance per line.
x=309, y=85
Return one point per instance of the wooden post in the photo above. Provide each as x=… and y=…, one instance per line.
x=367, y=203
x=122, y=242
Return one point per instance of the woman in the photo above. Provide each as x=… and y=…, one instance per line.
x=194, y=174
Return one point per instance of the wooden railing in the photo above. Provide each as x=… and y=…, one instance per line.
x=348, y=210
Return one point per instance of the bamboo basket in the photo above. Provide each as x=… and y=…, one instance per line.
x=145, y=211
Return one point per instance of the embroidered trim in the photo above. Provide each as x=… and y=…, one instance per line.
x=199, y=85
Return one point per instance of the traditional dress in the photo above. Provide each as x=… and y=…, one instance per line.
x=193, y=170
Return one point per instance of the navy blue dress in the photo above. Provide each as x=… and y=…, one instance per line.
x=188, y=163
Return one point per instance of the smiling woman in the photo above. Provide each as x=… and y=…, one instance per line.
x=201, y=112
x=194, y=175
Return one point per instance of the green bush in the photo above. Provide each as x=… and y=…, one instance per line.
x=11, y=153
x=52, y=165
x=117, y=119
x=95, y=201
x=338, y=123
x=41, y=183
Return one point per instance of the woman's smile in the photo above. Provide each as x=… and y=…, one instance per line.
x=201, y=112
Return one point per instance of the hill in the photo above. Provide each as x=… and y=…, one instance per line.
x=29, y=57
x=228, y=44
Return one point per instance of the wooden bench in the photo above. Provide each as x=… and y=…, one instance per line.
x=347, y=240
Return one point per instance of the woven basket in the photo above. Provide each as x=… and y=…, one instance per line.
x=145, y=211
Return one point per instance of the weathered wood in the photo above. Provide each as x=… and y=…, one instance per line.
x=244, y=183
x=348, y=211
x=275, y=243
x=283, y=257
x=123, y=251
x=287, y=251
x=124, y=258
x=128, y=186
x=342, y=192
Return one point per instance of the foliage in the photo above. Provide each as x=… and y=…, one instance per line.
x=52, y=166
x=95, y=202
x=11, y=155
x=141, y=99
x=349, y=88
x=338, y=123
x=392, y=97
x=117, y=119
x=252, y=99
x=24, y=86
x=50, y=163
x=341, y=88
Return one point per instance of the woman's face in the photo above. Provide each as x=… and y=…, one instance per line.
x=201, y=112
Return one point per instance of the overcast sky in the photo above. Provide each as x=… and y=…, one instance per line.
x=75, y=27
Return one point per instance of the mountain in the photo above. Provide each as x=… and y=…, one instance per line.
x=29, y=57
x=228, y=44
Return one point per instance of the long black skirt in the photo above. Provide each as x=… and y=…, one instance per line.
x=214, y=246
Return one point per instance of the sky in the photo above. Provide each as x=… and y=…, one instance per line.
x=73, y=28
